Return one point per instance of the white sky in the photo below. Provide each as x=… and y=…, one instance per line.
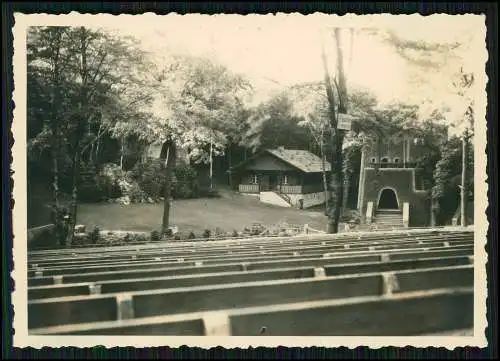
x=287, y=49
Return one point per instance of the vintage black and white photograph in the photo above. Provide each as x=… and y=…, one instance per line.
x=260, y=176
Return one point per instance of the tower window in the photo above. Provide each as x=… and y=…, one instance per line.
x=396, y=160
x=373, y=160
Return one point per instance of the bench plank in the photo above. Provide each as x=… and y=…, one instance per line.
x=47, y=312
x=432, y=312
x=141, y=284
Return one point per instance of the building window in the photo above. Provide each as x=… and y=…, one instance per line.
x=285, y=179
x=384, y=161
x=418, y=141
x=373, y=160
x=254, y=179
x=396, y=160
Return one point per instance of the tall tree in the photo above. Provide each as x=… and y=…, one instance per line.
x=194, y=107
x=445, y=61
x=337, y=135
x=47, y=63
x=88, y=68
x=274, y=123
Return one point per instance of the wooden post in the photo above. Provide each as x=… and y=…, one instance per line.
x=346, y=193
x=433, y=211
x=230, y=165
x=211, y=163
x=404, y=153
x=463, y=190
x=361, y=187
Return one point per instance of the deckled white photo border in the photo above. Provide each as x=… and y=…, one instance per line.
x=19, y=296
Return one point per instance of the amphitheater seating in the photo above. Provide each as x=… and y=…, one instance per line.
x=399, y=283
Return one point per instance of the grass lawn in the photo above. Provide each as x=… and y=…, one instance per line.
x=231, y=211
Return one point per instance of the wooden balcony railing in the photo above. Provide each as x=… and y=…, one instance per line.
x=290, y=189
x=384, y=165
x=248, y=188
x=285, y=189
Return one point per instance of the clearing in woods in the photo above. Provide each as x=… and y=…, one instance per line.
x=230, y=212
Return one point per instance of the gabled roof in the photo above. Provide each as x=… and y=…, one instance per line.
x=303, y=160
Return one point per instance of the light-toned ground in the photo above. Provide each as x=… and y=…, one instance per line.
x=230, y=212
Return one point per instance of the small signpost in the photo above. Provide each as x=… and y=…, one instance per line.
x=344, y=121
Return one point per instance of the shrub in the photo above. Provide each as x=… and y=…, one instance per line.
x=191, y=235
x=131, y=189
x=206, y=233
x=127, y=238
x=177, y=237
x=184, y=182
x=139, y=238
x=352, y=216
x=150, y=177
x=235, y=233
x=154, y=236
x=168, y=232
x=95, y=235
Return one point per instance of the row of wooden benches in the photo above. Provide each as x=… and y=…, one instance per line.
x=71, y=311
x=268, y=242
x=229, y=251
x=155, y=269
x=295, y=286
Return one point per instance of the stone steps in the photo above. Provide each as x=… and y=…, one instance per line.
x=388, y=219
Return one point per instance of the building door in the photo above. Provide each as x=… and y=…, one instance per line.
x=273, y=182
x=388, y=199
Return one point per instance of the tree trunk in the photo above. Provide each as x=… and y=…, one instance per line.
x=332, y=227
x=325, y=180
x=336, y=185
x=336, y=179
x=122, y=150
x=81, y=125
x=229, y=154
x=56, y=143
x=91, y=154
x=98, y=143
x=74, y=196
x=361, y=180
x=345, y=196
x=211, y=165
x=433, y=211
x=463, y=188
x=169, y=166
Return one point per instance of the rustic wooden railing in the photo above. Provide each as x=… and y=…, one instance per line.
x=248, y=188
x=290, y=189
x=384, y=165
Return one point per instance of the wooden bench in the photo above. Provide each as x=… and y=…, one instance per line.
x=141, y=284
x=231, y=258
x=89, y=253
x=79, y=309
x=403, y=314
x=156, y=269
x=194, y=254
